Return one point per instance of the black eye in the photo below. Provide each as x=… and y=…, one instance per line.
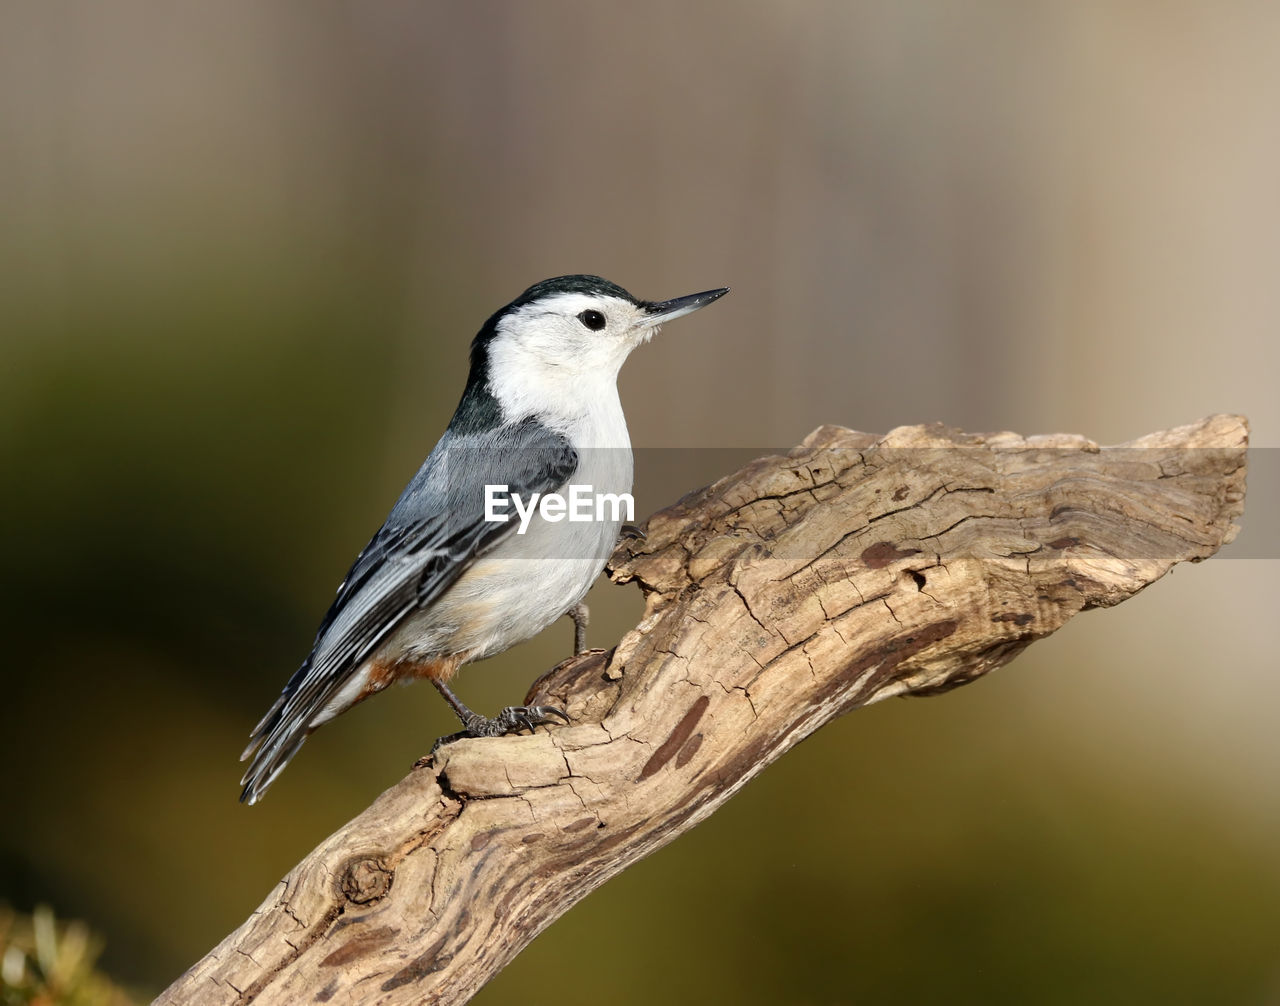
x=594, y=320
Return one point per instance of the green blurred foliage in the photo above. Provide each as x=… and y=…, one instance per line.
x=44, y=962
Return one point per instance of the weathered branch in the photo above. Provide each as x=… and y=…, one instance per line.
x=850, y=570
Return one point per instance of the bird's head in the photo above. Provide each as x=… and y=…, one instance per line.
x=564, y=336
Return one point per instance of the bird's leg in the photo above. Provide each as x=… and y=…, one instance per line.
x=580, y=615
x=511, y=719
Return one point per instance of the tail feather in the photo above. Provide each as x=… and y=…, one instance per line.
x=305, y=704
x=281, y=731
x=273, y=742
x=266, y=724
x=269, y=763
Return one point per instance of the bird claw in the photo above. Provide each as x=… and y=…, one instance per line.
x=512, y=720
x=631, y=531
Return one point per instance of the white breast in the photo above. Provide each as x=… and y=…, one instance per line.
x=527, y=581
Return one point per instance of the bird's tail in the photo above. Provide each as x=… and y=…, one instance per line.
x=273, y=742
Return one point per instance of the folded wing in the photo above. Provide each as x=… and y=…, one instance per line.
x=435, y=530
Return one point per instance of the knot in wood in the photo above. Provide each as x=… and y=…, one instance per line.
x=366, y=880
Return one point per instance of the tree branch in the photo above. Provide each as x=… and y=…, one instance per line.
x=850, y=570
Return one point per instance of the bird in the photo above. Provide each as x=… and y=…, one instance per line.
x=444, y=582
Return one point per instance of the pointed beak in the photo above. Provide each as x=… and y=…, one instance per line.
x=668, y=310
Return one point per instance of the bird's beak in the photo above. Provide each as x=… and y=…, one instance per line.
x=668, y=310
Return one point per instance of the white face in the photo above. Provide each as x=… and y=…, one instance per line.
x=580, y=331
x=555, y=356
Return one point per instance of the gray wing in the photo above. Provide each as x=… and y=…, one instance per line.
x=434, y=531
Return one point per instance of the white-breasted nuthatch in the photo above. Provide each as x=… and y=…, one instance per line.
x=443, y=582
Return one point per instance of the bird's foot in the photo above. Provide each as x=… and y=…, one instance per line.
x=511, y=720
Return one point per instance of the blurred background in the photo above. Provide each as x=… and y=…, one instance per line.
x=243, y=249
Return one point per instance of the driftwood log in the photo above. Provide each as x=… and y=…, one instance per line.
x=851, y=569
